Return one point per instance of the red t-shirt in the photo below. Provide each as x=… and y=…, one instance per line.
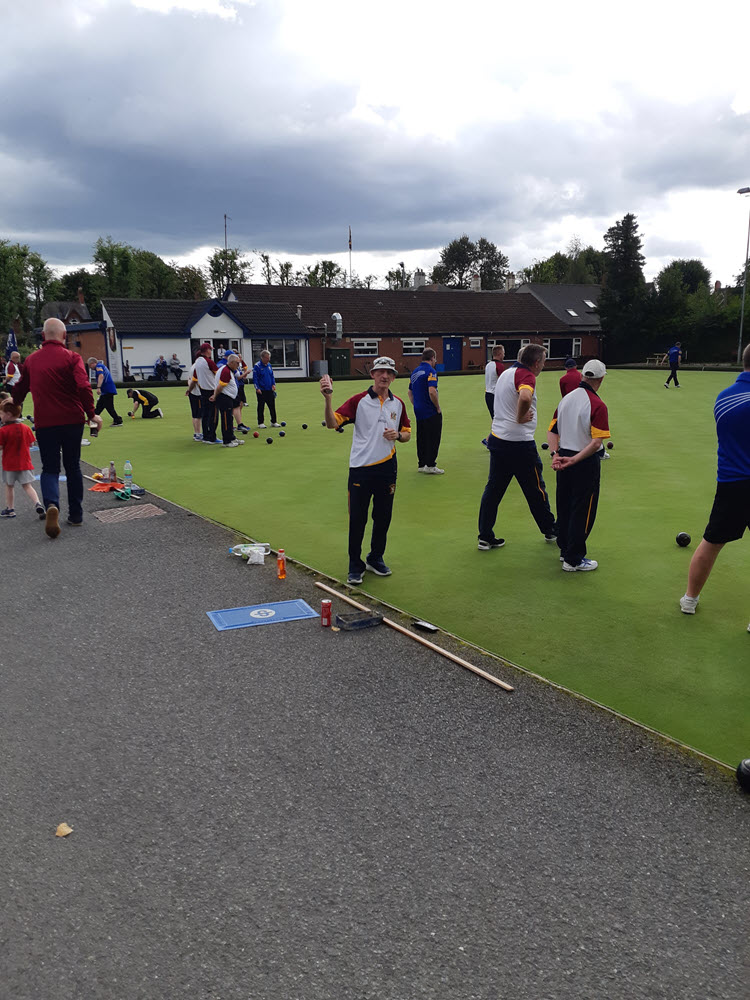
x=570, y=381
x=15, y=440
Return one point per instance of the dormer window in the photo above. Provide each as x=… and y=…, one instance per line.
x=589, y=303
x=572, y=312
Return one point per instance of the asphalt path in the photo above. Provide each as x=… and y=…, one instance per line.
x=291, y=812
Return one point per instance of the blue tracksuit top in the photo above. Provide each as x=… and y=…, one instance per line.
x=263, y=376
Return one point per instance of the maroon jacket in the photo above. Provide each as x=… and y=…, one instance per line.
x=59, y=383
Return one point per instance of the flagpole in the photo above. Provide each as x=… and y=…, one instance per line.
x=350, y=256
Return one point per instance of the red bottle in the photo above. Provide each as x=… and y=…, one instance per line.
x=281, y=565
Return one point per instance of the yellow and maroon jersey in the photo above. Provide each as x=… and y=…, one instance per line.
x=504, y=423
x=371, y=416
x=581, y=416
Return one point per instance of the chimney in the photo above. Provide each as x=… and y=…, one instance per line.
x=476, y=283
x=81, y=299
x=419, y=278
x=510, y=282
x=299, y=312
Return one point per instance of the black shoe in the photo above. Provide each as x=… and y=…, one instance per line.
x=41, y=512
x=74, y=524
x=495, y=543
x=355, y=577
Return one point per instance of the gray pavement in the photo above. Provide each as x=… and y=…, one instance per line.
x=288, y=812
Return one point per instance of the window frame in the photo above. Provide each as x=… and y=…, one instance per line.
x=410, y=348
x=365, y=347
x=284, y=341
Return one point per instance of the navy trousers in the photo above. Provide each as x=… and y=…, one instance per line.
x=54, y=441
x=519, y=460
x=368, y=484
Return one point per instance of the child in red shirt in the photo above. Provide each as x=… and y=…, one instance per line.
x=15, y=441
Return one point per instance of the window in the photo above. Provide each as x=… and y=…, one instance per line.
x=285, y=353
x=589, y=303
x=365, y=348
x=475, y=341
x=576, y=347
x=546, y=346
x=525, y=343
x=412, y=347
x=572, y=312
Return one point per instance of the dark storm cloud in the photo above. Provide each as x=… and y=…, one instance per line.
x=150, y=128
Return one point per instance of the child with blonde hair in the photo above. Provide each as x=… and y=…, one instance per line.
x=15, y=441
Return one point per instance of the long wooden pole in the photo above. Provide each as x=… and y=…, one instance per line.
x=421, y=641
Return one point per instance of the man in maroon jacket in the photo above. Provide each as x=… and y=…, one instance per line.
x=57, y=379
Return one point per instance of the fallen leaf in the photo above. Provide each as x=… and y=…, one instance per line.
x=63, y=830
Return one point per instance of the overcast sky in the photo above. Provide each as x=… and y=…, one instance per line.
x=411, y=121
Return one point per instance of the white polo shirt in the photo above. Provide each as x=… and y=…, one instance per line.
x=371, y=416
x=206, y=378
x=491, y=374
x=579, y=417
x=225, y=377
x=504, y=423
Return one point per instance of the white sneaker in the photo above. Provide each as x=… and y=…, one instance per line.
x=85, y=441
x=585, y=566
x=605, y=455
x=432, y=470
x=275, y=425
x=159, y=412
x=232, y=444
x=689, y=604
x=423, y=468
x=261, y=427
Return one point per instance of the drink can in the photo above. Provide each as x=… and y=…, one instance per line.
x=325, y=613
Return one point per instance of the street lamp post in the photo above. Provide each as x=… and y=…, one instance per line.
x=745, y=190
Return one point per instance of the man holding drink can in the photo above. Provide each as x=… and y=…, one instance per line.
x=380, y=421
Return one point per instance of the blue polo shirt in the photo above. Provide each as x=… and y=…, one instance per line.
x=108, y=385
x=423, y=378
x=732, y=415
x=674, y=356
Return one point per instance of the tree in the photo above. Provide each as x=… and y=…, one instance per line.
x=324, y=274
x=621, y=303
x=491, y=264
x=39, y=276
x=267, y=270
x=551, y=271
x=13, y=292
x=398, y=278
x=65, y=289
x=285, y=272
x=367, y=282
x=457, y=262
x=227, y=267
x=191, y=281
x=692, y=274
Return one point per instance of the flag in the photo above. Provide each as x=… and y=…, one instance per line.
x=12, y=345
x=350, y=237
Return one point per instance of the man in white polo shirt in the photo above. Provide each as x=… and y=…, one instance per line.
x=513, y=451
x=380, y=420
x=575, y=436
x=224, y=397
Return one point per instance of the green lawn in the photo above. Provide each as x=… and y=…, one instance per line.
x=615, y=635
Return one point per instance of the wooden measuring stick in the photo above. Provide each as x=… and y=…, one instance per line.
x=421, y=641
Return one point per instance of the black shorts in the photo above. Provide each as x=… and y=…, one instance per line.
x=730, y=514
x=196, y=406
x=240, y=394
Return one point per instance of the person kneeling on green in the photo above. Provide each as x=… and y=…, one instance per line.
x=147, y=400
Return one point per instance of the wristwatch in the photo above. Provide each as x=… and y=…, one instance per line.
x=552, y=453
x=398, y=437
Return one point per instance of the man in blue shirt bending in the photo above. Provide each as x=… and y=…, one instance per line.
x=730, y=514
x=423, y=393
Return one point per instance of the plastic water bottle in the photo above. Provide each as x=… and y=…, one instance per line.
x=247, y=548
x=127, y=474
x=281, y=565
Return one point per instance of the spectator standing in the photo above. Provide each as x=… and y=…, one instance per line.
x=571, y=379
x=423, y=395
x=575, y=436
x=730, y=514
x=16, y=440
x=492, y=372
x=674, y=354
x=147, y=400
x=265, y=388
x=106, y=390
x=204, y=376
x=225, y=397
x=59, y=384
x=380, y=420
x=13, y=370
x=513, y=452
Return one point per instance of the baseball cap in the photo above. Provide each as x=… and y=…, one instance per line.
x=593, y=369
x=205, y=346
x=384, y=363
x=571, y=363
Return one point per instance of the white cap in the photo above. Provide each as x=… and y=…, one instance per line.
x=593, y=369
x=384, y=363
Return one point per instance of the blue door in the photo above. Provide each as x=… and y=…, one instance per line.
x=452, y=353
